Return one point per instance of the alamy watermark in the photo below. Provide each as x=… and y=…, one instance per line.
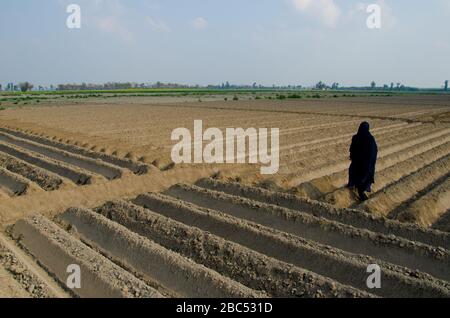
x=374, y=279
x=234, y=146
x=74, y=278
x=74, y=19
x=374, y=19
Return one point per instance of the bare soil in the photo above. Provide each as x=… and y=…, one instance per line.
x=92, y=183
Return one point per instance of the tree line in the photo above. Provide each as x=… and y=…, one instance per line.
x=27, y=86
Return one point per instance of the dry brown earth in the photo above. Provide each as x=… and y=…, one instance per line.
x=92, y=184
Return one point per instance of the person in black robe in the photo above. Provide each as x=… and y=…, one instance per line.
x=363, y=154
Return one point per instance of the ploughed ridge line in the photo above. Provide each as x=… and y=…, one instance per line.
x=138, y=232
x=30, y=163
x=218, y=239
x=406, y=120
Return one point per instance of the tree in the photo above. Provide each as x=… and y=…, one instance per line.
x=373, y=85
x=445, y=86
x=321, y=85
x=0, y=87
x=25, y=86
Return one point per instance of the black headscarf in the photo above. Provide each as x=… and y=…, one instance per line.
x=363, y=153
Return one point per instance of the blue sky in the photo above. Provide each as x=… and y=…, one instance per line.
x=211, y=41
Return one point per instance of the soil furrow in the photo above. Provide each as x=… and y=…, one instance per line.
x=138, y=168
x=94, y=166
x=74, y=174
x=27, y=273
x=428, y=208
x=56, y=250
x=242, y=264
x=15, y=184
x=391, y=197
x=43, y=178
x=299, y=146
x=345, y=197
x=355, y=218
x=443, y=223
x=10, y=288
x=181, y=275
x=434, y=148
x=299, y=177
x=392, y=249
x=334, y=154
x=333, y=263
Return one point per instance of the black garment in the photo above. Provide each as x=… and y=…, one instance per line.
x=363, y=154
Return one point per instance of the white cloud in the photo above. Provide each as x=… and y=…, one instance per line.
x=302, y=4
x=157, y=24
x=327, y=11
x=109, y=16
x=113, y=7
x=358, y=9
x=199, y=23
x=113, y=26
